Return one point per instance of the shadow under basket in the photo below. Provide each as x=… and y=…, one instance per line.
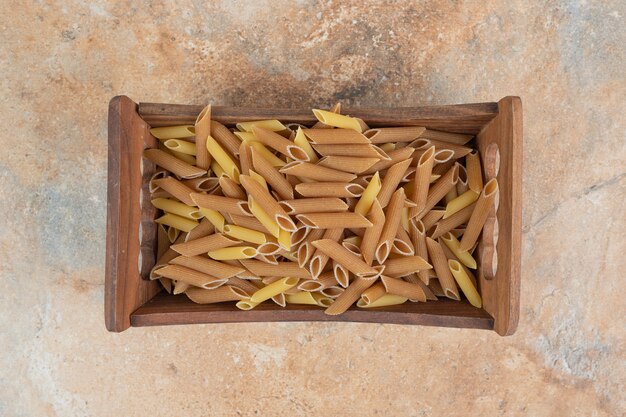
x=133, y=300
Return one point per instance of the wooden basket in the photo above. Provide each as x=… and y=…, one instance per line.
x=131, y=300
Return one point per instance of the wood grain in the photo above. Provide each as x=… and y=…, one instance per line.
x=460, y=118
x=168, y=309
x=125, y=290
x=501, y=294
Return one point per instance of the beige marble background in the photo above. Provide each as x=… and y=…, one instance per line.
x=62, y=61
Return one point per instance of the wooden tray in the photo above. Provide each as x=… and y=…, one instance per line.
x=131, y=300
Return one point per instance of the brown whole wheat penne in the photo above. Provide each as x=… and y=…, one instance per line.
x=173, y=164
x=432, y=217
x=299, y=235
x=162, y=261
x=341, y=274
x=159, y=173
x=319, y=259
x=306, y=249
x=231, y=189
x=360, y=150
x=373, y=293
x=440, y=264
x=459, y=151
x=338, y=253
x=349, y=296
x=274, y=178
x=405, y=265
x=442, y=168
x=222, y=204
x=190, y=276
x=439, y=189
x=247, y=286
x=393, y=217
x=163, y=243
x=335, y=136
x=333, y=220
x=329, y=189
x=371, y=236
x=287, y=269
x=396, y=286
x=402, y=243
x=436, y=288
x=177, y=189
x=245, y=157
x=267, y=203
x=394, y=134
x=332, y=292
x=316, y=172
x=218, y=295
x=206, y=184
x=454, y=221
x=279, y=143
x=268, y=248
x=395, y=156
x=458, y=138
x=225, y=137
x=452, y=256
x=413, y=279
x=203, y=129
x=325, y=280
x=423, y=171
x=160, y=193
x=483, y=207
x=474, y=172
x=417, y=231
x=208, y=266
x=391, y=181
x=204, y=244
x=351, y=164
x=314, y=205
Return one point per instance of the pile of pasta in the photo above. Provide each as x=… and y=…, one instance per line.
x=327, y=215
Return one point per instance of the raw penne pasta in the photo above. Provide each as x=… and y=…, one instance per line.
x=349, y=296
x=268, y=204
x=391, y=181
x=177, y=222
x=190, y=276
x=314, y=205
x=371, y=237
x=172, y=234
x=243, y=284
x=203, y=130
x=319, y=125
x=218, y=171
x=384, y=301
x=173, y=132
x=442, y=168
x=227, y=140
x=245, y=158
x=395, y=156
x=369, y=195
x=208, y=266
x=460, y=202
x=306, y=249
x=244, y=234
x=393, y=217
x=231, y=189
x=221, y=157
x=325, y=280
x=352, y=164
x=388, y=147
x=273, y=289
x=396, y=286
x=335, y=136
x=217, y=295
x=373, y=293
x=316, y=172
x=341, y=274
x=333, y=220
x=181, y=146
x=204, y=244
x=246, y=305
x=484, y=206
x=465, y=284
x=233, y=252
x=267, y=154
x=178, y=208
x=458, y=138
x=474, y=172
x=443, y=156
x=352, y=247
x=459, y=151
x=173, y=164
x=452, y=256
x=162, y=194
x=272, y=124
x=180, y=287
x=332, y=292
x=160, y=173
x=280, y=269
x=454, y=245
x=338, y=120
x=350, y=261
x=305, y=297
x=163, y=242
x=394, y=134
x=268, y=248
x=222, y=204
x=439, y=189
x=405, y=265
x=417, y=232
x=461, y=185
x=319, y=259
x=206, y=184
x=402, y=243
x=300, y=234
x=357, y=150
x=278, y=182
x=432, y=217
x=440, y=264
x=423, y=171
x=454, y=221
x=215, y=217
x=329, y=189
x=301, y=141
x=264, y=218
x=279, y=143
x=413, y=279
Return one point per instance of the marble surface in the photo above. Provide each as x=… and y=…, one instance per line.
x=62, y=61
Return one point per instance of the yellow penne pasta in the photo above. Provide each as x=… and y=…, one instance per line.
x=245, y=234
x=273, y=289
x=460, y=202
x=173, y=132
x=179, y=145
x=268, y=203
x=338, y=120
x=177, y=222
x=284, y=239
x=454, y=245
x=465, y=284
x=215, y=217
x=301, y=141
x=265, y=219
x=335, y=136
x=369, y=195
x=223, y=159
x=316, y=172
x=273, y=125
